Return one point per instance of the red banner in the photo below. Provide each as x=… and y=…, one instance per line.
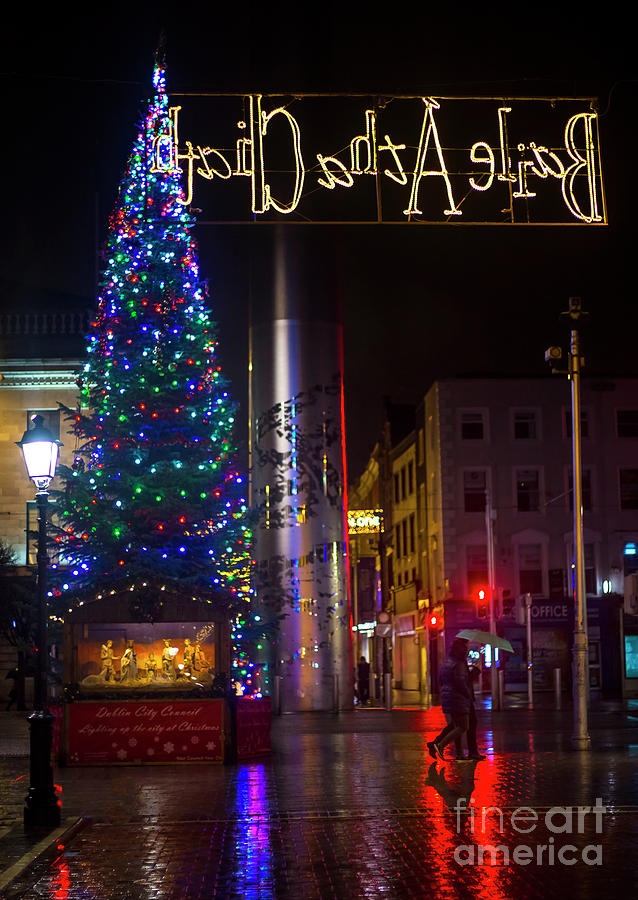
x=253, y=727
x=153, y=731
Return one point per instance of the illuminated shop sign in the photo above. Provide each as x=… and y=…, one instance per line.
x=364, y=521
x=391, y=159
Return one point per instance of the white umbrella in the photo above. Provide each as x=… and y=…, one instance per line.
x=485, y=637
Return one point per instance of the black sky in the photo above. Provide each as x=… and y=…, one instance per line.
x=419, y=303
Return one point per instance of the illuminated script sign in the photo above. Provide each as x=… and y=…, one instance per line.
x=364, y=521
x=428, y=160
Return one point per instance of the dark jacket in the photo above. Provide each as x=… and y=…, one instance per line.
x=457, y=694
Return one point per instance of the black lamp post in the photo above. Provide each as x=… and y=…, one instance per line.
x=40, y=450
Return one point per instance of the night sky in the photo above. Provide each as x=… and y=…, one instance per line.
x=419, y=302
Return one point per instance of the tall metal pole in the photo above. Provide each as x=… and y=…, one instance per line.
x=354, y=550
x=489, y=526
x=580, y=739
x=530, y=651
x=41, y=807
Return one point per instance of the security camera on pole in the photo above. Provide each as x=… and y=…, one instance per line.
x=580, y=739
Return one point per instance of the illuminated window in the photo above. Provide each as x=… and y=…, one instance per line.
x=51, y=420
x=628, y=479
x=630, y=558
x=627, y=423
x=524, y=425
x=474, y=485
x=527, y=490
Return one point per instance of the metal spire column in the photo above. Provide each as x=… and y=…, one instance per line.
x=298, y=465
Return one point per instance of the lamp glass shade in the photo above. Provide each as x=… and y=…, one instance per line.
x=41, y=458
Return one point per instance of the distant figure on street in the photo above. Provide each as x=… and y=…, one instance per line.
x=457, y=698
x=363, y=681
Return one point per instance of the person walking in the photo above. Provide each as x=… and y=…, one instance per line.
x=457, y=698
x=472, y=747
x=363, y=681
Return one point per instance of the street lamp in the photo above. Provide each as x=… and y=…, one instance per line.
x=40, y=450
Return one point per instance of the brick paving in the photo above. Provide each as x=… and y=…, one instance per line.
x=351, y=806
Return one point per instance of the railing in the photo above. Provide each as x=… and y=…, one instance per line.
x=45, y=323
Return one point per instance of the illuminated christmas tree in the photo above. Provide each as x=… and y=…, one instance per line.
x=154, y=495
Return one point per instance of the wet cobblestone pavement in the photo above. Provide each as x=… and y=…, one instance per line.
x=352, y=806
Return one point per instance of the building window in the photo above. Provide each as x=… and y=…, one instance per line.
x=472, y=426
x=31, y=534
x=403, y=483
x=474, y=486
x=527, y=490
x=51, y=420
x=525, y=425
x=405, y=536
x=396, y=488
x=411, y=532
x=584, y=423
x=530, y=568
x=410, y=477
x=586, y=490
x=397, y=534
x=628, y=488
x=627, y=423
x=421, y=446
x=476, y=567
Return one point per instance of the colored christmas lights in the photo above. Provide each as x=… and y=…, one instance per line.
x=154, y=490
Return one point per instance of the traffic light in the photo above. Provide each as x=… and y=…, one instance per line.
x=435, y=623
x=482, y=603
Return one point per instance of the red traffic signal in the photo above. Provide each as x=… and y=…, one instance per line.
x=435, y=623
x=482, y=603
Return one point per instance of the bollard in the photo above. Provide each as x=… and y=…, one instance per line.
x=387, y=690
x=335, y=693
x=276, y=699
x=557, y=688
x=501, y=688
